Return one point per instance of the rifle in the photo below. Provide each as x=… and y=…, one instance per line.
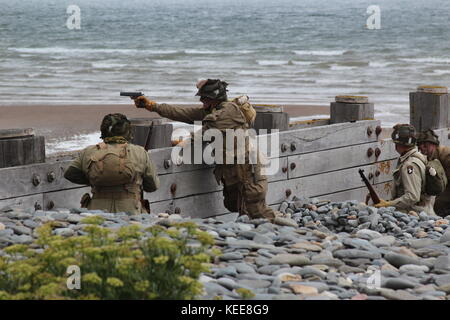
x=133, y=95
x=372, y=193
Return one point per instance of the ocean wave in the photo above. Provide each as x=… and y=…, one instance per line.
x=440, y=72
x=336, y=67
x=428, y=60
x=320, y=52
x=273, y=62
x=104, y=65
x=378, y=64
x=62, y=50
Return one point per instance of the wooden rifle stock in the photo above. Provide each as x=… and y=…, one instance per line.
x=373, y=194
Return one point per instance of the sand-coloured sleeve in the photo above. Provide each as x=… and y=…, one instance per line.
x=150, y=178
x=183, y=114
x=412, y=183
x=74, y=172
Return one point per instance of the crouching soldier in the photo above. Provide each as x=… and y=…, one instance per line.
x=245, y=187
x=428, y=143
x=409, y=175
x=117, y=170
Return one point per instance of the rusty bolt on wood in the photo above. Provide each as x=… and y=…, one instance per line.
x=36, y=180
x=378, y=130
x=284, y=169
x=369, y=131
x=288, y=193
x=377, y=173
x=50, y=205
x=177, y=210
x=293, y=165
x=293, y=147
x=167, y=163
x=173, y=188
x=51, y=176
x=369, y=152
x=37, y=206
x=284, y=147
x=370, y=176
x=377, y=152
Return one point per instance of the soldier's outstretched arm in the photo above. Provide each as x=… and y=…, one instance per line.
x=176, y=113
x=412, y=184
x=150, y=180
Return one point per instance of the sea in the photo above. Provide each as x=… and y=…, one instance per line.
x=277, y=52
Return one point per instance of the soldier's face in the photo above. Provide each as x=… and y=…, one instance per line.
x=427, y=148
x=208, y=102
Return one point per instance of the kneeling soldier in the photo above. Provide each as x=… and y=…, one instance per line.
x=409, y=176
x=116, y=170
x=428, y=144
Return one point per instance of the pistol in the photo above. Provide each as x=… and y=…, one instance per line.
x=132, y=95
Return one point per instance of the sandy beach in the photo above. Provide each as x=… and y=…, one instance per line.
x=63, y=121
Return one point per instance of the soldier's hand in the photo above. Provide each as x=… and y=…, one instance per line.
x=383, y=204
x=144, y=102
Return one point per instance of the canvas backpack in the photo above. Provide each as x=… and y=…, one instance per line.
x=435, y=178
x=247, y=109
x=110, y=166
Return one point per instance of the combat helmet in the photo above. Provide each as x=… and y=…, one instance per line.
x=116, y=124
x=213, y=89
x=404, y=134
x=428, y=136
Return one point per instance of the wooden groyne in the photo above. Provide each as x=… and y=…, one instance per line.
x=317, y=159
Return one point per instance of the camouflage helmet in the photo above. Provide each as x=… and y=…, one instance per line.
x=116, y=124
x=213, y=89
x=428, y=136
x=404, y=134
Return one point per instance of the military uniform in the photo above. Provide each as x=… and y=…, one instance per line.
x=245, y=186
x=409, y=181
x=442, y=204
x=122, y=197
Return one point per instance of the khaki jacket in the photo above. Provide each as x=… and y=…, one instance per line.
x=147, y=179
x=443, y=154
x=409, y=181
x=226, y=116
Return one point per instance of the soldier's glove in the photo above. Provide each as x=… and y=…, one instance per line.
x=383, y=204
x=144, y=102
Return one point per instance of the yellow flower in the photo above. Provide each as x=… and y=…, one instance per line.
x=114, y=282
x=161, y=259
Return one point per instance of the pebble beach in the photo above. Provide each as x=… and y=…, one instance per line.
x=318, y=251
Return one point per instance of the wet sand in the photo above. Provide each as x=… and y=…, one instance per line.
x=62, y=121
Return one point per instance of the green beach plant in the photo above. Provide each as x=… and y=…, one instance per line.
x=130, y=263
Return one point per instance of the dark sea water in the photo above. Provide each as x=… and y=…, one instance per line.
x=283, y=52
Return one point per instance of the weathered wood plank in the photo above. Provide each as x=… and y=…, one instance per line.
x=64, y=199
x=28, y=202
x=325, y=183
x=332, y=160
x=18, y=181
x=197, y=206
x=322, y=138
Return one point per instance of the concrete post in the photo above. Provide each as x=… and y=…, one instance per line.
x=429, y=108
x=350, y=109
